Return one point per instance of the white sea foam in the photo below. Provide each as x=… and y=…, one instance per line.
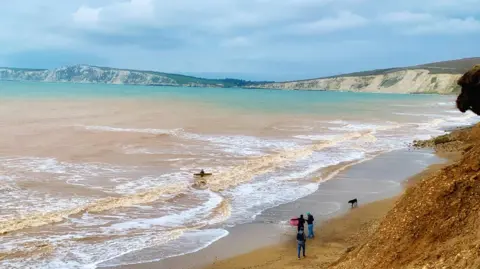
x=338, y=122
x=184, y=218
x=131, y=186
x=243, y=145
x=17, y=202
x=189, y=242
x=419, y=115
x=79, y=254
x=437, y=125
x=87, y=220
x=276, y=188
x=436, y=104
x=406, y=105
x=294, y=128
x=317, y=137
x=72, y=249
x=445, y=104
x=358, y=126
x=235, y=144
x=134, y=130
x=53, y=166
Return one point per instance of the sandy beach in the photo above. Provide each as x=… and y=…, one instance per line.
x=266, y=244
x=335, y=237
x=347, y=241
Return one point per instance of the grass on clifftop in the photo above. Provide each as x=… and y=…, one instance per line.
x=457, y=67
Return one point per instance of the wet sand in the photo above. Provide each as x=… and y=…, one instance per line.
x=267, y=241
x=335, y=237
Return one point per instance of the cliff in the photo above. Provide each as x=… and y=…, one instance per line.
x=404, y=81
x=94, y=74
x=438, y=77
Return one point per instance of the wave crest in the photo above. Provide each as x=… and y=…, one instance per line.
x=40, y=219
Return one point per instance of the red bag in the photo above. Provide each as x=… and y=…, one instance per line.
x=294, y=222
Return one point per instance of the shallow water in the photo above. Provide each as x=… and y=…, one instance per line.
x=93, y=172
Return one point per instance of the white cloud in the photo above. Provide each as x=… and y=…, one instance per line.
x=215, y=16
x=405, y=17
x=344, y=20
x=116, y=15
x=447, y=27
x=133, y=10
x=86, y=15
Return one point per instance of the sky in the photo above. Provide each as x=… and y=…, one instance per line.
x=250, y=39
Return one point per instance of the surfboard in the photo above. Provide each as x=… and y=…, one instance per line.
x=199, y=175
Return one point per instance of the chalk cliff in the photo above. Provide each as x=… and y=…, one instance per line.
x=439, y=77
x=403, y=81
x=106, y=75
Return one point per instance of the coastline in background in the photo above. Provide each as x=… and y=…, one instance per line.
x=439, y=77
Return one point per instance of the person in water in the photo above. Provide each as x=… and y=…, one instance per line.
x=202, y=173
x=301, y=242
x=310, y=220
x=301, y=223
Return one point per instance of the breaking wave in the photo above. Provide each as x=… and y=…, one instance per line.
x=40, y=219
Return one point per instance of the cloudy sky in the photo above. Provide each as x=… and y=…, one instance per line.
x=253, y=39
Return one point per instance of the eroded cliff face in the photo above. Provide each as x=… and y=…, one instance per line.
x=22, y=74
x=402, y=81
x=86, y=74
x=106, y=75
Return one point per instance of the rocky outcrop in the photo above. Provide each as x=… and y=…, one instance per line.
x=469, y=97
x=399, y=81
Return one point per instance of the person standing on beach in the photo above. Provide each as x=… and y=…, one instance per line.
x=301, y=223
x=310, y=220
x=301, y=240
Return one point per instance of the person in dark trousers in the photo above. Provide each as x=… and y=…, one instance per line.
x=202, y=173
x=310, y=220
x=301, y=240
x=301, y=223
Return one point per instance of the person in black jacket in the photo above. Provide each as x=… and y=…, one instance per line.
x=310, y=220
x=301, y=242
x=301, y=223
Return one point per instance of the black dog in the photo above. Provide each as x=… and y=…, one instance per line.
x=354, y=202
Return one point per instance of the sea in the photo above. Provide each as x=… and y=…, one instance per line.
x=92, y=173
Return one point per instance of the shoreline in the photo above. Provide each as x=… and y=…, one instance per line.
x=265, y=234
x=335, y=237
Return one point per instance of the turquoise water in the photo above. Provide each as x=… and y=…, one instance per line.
x=245, y=99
